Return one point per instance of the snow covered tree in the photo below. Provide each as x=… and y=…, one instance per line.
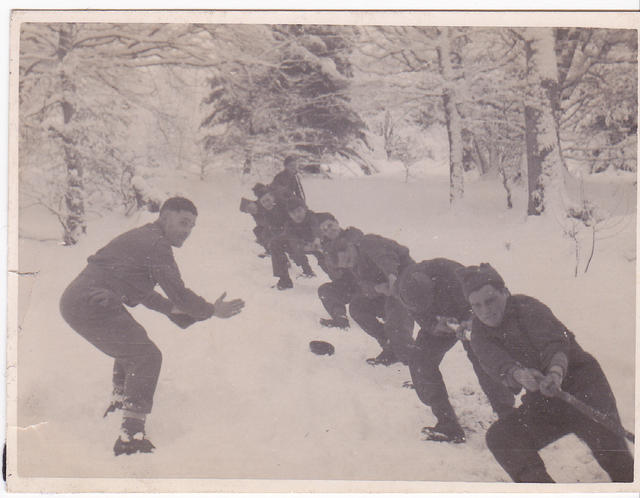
x=452, y=116
x=541, y=102
x=597, y=77
x=285, y=93
x=79, y=86
x=418, y=68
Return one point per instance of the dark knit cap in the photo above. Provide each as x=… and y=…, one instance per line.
x=416, y=288
x=259, y=189
x=473, y=278
x=349, y=236
x=289, y=160
x=294, y=203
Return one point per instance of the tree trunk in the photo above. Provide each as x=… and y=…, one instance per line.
x=452, y=117
x=541, y=133
x=74, y=219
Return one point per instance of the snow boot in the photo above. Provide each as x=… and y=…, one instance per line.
x=386, y=358
x=339, y=323
x=284, y=283
x=307, y=272
x=450, y=432
x=132, y=438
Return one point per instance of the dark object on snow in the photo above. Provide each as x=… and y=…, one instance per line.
x=321, y=348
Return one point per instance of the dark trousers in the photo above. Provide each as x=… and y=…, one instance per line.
x=336, y=295
x=111, y=328
x=283, y=246
x=265, y=234
x=539, y=421
x=424, y=365
x=395, y=331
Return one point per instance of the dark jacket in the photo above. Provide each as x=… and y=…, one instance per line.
x=528, y=336
x=286, y=185
x=448, y=296
x=133, y=263
x=275, y=219
x=378, y=257
x=330, y=248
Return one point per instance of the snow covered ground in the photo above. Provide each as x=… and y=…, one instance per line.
x=244, y=398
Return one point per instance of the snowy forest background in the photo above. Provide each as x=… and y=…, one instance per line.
x=515, y=146
x=106, y=108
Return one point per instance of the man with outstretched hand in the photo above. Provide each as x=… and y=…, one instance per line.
x=125, y=273
x=521, y=343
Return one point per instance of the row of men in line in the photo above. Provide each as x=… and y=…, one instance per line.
x=512, y=341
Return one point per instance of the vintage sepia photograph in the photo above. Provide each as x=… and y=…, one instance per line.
x=322, y=251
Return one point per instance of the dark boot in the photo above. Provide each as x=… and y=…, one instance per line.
x=386, y=358
x=307, y=271
x=447, y=428
x=284, y=283
x=448, y=431
x=132, y=438
x=339, y=322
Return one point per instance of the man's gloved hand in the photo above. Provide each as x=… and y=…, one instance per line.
x=529, y=378
x=551, y=384
x=463, y=331
x=442, y=328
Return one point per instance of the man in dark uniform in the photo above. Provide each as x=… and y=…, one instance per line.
x=335, y=295
x=125, y=272
x=286, y=184
x=521, y=343
x=433, y=294
x=299, y=238
x=376, y=262
x=269, y=215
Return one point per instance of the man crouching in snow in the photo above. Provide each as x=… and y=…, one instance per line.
x=520, y=342
x=430, y=290
x=125, y=272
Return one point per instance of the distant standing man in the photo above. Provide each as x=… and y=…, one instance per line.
x=433, y=294
x=521, y=343
x=286, y=184
x=125, y=272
